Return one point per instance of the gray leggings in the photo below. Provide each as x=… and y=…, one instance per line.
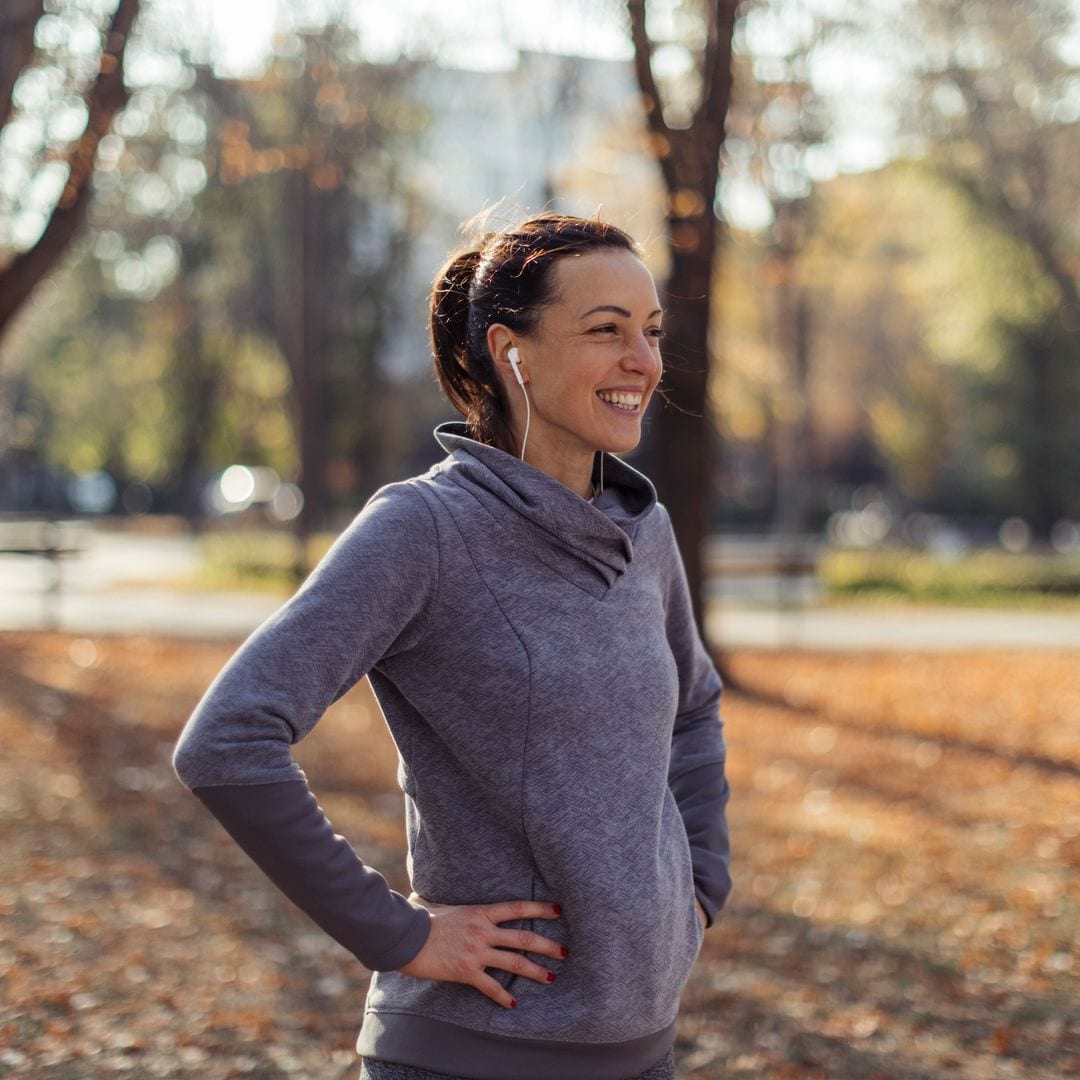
x=371, y=1069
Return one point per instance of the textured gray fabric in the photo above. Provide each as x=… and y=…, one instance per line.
x=557, y=719
x=371, y=1069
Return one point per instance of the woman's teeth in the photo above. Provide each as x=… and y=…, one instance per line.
x=621, y=399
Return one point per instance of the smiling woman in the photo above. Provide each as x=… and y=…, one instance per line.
x=588, y=368
x=573, y=302
x=523, y=615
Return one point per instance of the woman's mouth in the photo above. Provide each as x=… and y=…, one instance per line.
x=628, y=401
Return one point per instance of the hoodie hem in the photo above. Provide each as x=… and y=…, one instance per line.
x=422, y=1042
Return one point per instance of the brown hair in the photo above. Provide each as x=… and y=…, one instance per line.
x=505, y=277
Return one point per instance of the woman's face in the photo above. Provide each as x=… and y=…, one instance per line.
x=593, y=360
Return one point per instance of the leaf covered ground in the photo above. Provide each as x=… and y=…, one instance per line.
x=906, y=834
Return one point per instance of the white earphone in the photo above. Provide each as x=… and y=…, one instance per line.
x=515, y=358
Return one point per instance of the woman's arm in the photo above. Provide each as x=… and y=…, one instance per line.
x=368, y=598
x=698, y=753
x=284, y=831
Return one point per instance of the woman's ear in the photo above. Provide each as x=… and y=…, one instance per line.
x=500, y=340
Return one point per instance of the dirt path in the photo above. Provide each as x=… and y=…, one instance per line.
x=906, y=833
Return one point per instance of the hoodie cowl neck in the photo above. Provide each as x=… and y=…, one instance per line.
x=589, y=543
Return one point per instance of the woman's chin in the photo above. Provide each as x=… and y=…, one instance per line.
x=620, y=445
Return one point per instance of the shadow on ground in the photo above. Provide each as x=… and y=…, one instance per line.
x=904, y=830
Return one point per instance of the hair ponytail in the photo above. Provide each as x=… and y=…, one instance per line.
x=450, y=329
x=463, y=365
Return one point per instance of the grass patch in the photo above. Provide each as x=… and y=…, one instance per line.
x=261, y=561
x=980, y=579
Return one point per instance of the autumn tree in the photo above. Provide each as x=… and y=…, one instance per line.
x=686, y=137
x=994, y=104
x=306, y=151
x=775, y=122
x=244, y=264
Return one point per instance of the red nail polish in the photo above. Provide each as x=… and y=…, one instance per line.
x=513, y=1003
x=564, y=950
x=551, y=976
x=558, y=910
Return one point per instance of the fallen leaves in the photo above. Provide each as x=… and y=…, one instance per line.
x=905, y=829
x=904, y=841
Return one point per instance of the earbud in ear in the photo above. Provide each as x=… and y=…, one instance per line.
x=515, y=358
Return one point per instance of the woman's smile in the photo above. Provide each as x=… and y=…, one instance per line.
x=628, y=401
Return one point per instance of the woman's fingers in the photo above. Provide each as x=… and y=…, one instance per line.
x=527, y=941
x=515, y=962
x=494, y=990
x=509, y=910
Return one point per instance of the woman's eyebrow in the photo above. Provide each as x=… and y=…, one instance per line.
x=618, y=311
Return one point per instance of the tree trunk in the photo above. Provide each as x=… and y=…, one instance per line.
x=683, y=445
x=307, y=370
x=197, y=395
x=689, y=160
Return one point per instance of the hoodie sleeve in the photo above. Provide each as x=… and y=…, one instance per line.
x=368, y=598
x=698, y=752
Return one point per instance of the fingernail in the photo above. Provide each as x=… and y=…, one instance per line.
x=513, y=1003
x=564, y=950
x=558, y=910
x=551, y=976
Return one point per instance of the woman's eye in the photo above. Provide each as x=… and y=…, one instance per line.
x=657, y=333
x=603, y=329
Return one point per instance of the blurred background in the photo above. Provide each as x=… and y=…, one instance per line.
x=219, y=223
x=217, y=239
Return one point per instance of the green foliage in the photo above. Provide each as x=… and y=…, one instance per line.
x=983, y=578
x=942, y=335
x=253, y=422
x=982, y=278
x=257, y=559
x=168, y=346
x=96, y=373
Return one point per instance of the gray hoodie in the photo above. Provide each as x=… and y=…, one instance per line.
x=557, y=720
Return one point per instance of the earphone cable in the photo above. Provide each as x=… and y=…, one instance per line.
x=528, y=419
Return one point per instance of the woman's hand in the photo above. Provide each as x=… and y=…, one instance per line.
x=465, y=939
x=701, y=913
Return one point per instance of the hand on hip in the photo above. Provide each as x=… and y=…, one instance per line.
x=465, y=939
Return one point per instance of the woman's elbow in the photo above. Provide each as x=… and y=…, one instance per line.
x=187, y=761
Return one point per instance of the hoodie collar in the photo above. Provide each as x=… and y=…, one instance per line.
x=589, y=543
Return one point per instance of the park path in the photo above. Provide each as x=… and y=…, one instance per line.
x=119, y=586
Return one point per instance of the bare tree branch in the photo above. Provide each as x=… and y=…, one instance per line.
x=651, y=102
x=1022, y=222
x=716, y=64
x=106, y=96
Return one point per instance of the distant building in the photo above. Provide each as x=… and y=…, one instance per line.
x=562, y=132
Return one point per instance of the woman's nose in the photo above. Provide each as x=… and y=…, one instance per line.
x=643, y=355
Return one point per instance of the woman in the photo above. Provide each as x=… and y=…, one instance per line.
x=523, y=615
